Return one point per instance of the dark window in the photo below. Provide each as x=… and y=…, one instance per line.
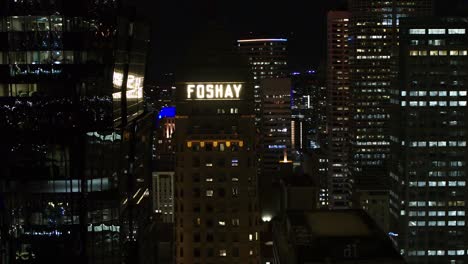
x=221, y=192
x=196, y=177
x=235, y=252
x=196, y=162
x=196, y=237
x=196, y=192
x=209, y=147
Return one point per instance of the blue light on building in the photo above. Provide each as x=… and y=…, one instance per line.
x=169, y=111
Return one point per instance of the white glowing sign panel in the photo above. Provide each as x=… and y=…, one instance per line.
x=134, y=85
x=214, y=91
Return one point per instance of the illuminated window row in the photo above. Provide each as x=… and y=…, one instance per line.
x=434, y=93
x=438, y=53
x=434, y=103
x=435, y=203
x=437, y=144
x=445, y=173
x=372, y=143
x=437, y=184
x=436, y=223
x=451, y=164
x=457, y=252
x=373, y=57
x=436, y=213
x=434, y=31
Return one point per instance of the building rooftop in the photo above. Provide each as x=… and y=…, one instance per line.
x=339, y=236
x=334, y=224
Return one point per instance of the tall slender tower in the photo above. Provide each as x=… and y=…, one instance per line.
x=374, y=53
x=216, y=208
x=338, y=109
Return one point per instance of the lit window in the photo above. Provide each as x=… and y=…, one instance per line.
x=250, y=237
x=417, y=31
x=234, y=162
x=456, y=31
x=209, y=193
x=436, y=31
x=222, y=253
x=222, y=223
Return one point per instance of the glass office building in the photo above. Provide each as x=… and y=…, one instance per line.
x=73, y=139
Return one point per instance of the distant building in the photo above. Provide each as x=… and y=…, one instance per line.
x=308, y=107
x=315, y=165
x=340, y=236
x=275, y=122
x=429, y=169
x=338, y=109
x=267, y=58
x=163, y=193
x=275, y=139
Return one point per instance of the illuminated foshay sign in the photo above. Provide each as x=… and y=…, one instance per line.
x=214, y=91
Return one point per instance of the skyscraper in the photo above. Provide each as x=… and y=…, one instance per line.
x=267, y=58
x=338, y=109
x=217, y=219
x=429, y=169
x=374, y=27
x=275, y=140
x=73, y=141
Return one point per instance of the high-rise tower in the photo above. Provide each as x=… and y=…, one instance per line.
x=374, y=27
x=338, y=109
x=429, y=168
x=216, y=204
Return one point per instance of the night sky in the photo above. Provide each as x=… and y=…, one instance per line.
x=303, y=22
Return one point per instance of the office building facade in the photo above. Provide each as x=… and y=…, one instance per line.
x=216, y=200
x=74, y=136
x=429, y=169
x=216, y=197
x=374, y=27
